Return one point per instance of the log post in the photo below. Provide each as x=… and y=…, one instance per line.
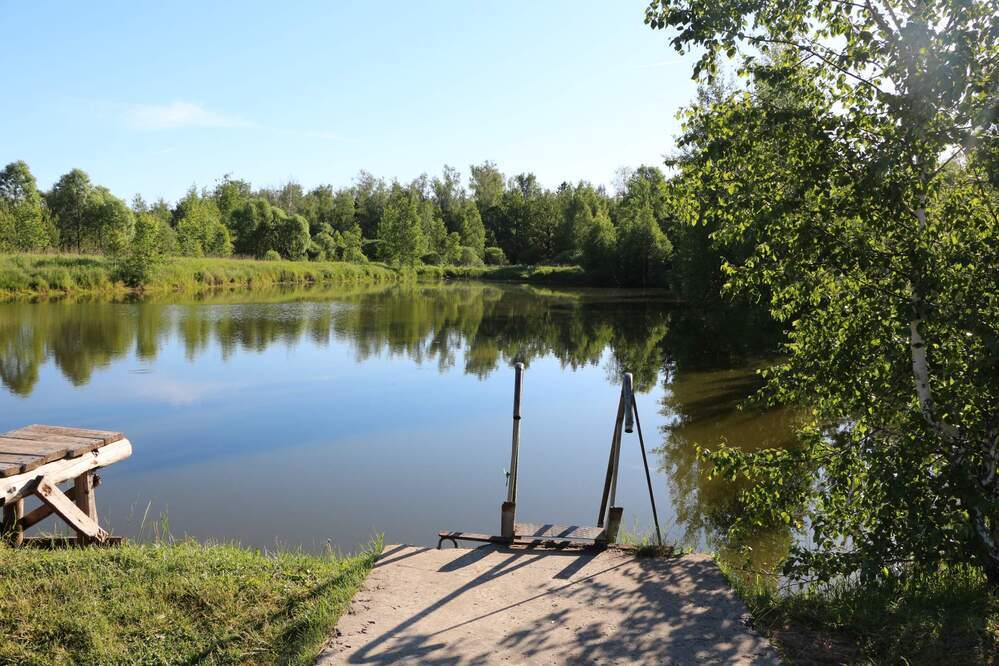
x=21, y=485
x=509, y=508
x=83, y=486
x=87, y=528
x=12, y=530
x=614, y=523
x=32, y=518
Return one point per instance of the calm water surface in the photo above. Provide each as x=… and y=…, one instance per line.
x=315, y=417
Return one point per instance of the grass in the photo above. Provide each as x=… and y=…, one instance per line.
x=566, y=276
x=951, y=617
x=58, y=275
x=31, y=275
x=171, y=603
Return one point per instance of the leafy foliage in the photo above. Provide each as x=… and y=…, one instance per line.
x=853, y=172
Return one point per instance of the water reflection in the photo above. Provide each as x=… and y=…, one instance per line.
x=491, y=325
x=317, y=401
x=706, y=408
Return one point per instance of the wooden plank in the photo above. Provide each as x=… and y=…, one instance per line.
x=13, y=487
x=68, y=511
x=36, y=516
x=471, y=536
x=106, y=436
x=51, y=451
x=550, y=531
x=16, y=445
x=532, y=543
x=53, y=542
x=74, y=446
x=12, y=464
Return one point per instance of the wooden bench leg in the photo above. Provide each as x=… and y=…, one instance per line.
x=83, y=486
x=614, y=523
x=11, y=529
x=85, y=526
x=36, y=516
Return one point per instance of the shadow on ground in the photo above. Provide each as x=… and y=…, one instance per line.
x=498, y=604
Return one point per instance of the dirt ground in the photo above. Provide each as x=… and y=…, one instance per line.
x=497, y=604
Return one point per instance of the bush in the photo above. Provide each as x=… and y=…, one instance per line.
x=495, y=256
x=468, y=257
x=432, y=259
x=568, y=258
x=272, y=255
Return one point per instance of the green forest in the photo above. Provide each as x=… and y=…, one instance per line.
x=621, y=239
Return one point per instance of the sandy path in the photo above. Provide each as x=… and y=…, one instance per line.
x=517, y=606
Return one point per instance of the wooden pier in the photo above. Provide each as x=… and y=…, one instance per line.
x=35, y=459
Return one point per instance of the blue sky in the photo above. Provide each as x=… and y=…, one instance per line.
x=151, y=98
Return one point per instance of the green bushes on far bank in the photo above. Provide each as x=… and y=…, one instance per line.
x=171, y=603
x=565, y=276
x=37, y=274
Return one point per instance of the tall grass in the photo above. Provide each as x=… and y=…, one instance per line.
x=551, y=275
x=171, y=603
x=949, y=617
x=52, y=275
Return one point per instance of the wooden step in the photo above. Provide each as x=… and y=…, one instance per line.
x=550, y=531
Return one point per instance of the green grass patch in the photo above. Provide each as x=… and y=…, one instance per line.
x=567, y=276
x=951, y=617
x=33, y=275
x=171, y=603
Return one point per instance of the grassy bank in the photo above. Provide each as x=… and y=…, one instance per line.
x=27, y=275
x=948, y=618
x=176, y=603
x=565, y=276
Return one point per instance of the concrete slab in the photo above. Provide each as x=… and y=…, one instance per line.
x=496, y=604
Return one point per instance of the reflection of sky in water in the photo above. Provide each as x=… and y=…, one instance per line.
x=297, y=422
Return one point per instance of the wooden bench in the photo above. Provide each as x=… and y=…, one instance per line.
x=35, y=459
x=525, y=534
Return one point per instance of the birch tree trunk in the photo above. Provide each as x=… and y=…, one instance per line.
x=987, y=535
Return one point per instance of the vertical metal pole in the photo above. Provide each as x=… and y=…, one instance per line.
x=509, y=509
x=626, y=398
x=629, y=421
x=518, y=386
x=615, y=441
x=648, y=477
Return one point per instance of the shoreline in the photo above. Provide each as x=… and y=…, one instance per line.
x=29, y=277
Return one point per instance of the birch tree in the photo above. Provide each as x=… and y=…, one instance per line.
x=856, y=161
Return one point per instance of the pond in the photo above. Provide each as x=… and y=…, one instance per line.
x=316, y=417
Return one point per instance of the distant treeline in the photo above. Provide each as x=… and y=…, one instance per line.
x=627, y=238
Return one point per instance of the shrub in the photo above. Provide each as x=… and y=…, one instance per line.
x=495, y=256
x=272, y=255
x=468, y=257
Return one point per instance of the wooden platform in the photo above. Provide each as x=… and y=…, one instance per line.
x=36, y=458
x=550, y=531
x=28, y=448
x=545, y=534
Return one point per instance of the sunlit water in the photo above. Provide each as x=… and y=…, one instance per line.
x=316, y=417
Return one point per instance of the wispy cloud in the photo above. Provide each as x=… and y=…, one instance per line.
x=178, y=393
x=179, y=115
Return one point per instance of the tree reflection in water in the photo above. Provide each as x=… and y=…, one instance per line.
x=703, y=359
